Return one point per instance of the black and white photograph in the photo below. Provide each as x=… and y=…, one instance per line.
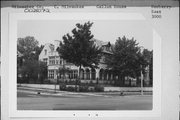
x=81, y=60
x=84, y=65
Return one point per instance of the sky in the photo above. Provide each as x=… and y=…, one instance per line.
x=46, y=31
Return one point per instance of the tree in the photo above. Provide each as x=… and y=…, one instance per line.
x=28, y=66
x=63, y=71
x=144, y=61
x=151, y=70
x=37, y=51
x=128, y=59
x=30, y=70
x=125, y=57
x=28, y=47
x=33, y=70
x=42, y=71
x=79, y=49
x=148, y=63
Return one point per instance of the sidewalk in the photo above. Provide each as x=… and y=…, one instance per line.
x=53, y=92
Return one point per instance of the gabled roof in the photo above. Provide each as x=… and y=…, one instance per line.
x=99, y=43
x=51, y=46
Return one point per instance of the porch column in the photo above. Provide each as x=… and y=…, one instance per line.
x=85, y=76
x=103, y=75
x=55, y=74
x=90, y=74
x=78, y=73
x=147, y=79
x=97, y=73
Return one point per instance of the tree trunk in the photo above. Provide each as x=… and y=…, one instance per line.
x=79, y=78
x=79, y=72
x=123, y=80
x=129, y=82
x=63, y=76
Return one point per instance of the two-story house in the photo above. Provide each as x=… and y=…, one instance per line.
x=54, y=62
x=50, y=55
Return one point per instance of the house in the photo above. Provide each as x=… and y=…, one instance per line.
x=54, y=62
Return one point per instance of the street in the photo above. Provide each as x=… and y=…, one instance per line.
x=30, y=100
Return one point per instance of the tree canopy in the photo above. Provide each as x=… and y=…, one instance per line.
x=125, y=56
x=128, y=59
x=28, y=47
x=78, y=48
x=28, y=65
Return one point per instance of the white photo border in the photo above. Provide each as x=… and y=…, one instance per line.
x=13, y=112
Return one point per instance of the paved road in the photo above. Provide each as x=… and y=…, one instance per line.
x=68, y=101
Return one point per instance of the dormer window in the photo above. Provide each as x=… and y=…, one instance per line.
x=107, y=48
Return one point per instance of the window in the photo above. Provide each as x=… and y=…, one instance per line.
x=93, y=73
x=45, y=52
x=87, y=74
x=45, y=60
x=107, y=48
x=51, y=74
x=73, y=74
x=60, y=62
x=52, y=60
x=57, y=61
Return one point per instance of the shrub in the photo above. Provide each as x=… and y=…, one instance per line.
x=91, y=83
x=91, y=89
x=70, y=88
x=71, y=82
x=63, y=87
x=83, y=88
x=19, y=80
x=88, y=84
x=66, y=81
x=46, y=81
x=99, y=88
